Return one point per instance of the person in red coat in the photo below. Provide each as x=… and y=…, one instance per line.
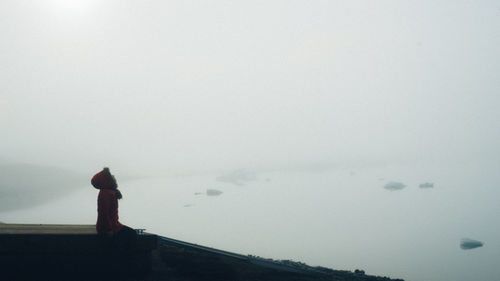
x=108, y=224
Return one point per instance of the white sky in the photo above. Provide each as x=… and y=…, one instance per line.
x=168, y=85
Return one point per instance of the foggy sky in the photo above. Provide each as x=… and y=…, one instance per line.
x=247, y=90
x=159, y=86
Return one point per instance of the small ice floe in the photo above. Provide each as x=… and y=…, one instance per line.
x=468, y=244
x=197, y=193
x=426, y=185
x=213, y=192
x=188, y=205
x=394, y=186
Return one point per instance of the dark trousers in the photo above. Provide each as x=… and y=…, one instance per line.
x=125, y=240
x=123, y=244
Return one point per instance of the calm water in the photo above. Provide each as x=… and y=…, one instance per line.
x=340, y=218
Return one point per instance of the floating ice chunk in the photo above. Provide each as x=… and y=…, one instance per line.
x=426, y=185
x=467, y=244
x=213, y=192
x=394, y=186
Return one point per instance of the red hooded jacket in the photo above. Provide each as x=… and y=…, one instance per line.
x=107, y=203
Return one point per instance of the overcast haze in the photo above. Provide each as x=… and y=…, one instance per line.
x=155, y=88
x=217, y=83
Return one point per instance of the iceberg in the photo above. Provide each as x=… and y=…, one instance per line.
x=468, y=244
x=394, y=186
x=238, y=177
x=426, y=185
x=213, y=192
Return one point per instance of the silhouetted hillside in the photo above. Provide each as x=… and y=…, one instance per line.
x=183, y=264
x=27, y=185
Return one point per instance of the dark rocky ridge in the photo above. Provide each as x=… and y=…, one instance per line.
x=75, y=252
x=180, y=264
x=183, y=264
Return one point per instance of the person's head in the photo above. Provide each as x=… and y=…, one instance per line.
x=104, y=180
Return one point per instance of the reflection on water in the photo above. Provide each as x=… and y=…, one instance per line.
x=340, y=218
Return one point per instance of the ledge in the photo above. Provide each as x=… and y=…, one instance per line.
x=69, y=248
x=58, y=238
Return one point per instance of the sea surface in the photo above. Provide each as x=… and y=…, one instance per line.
x=337, y=217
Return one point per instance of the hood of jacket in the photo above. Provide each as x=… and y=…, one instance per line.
x=104, y=180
